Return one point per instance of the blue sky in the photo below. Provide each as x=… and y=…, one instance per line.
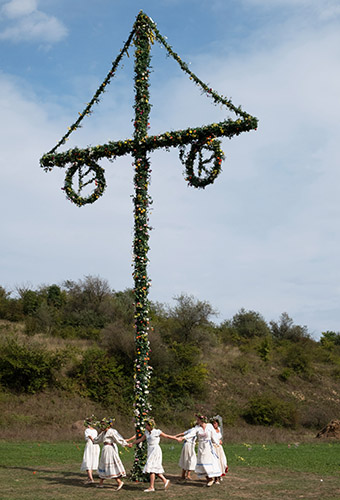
x=264, y=236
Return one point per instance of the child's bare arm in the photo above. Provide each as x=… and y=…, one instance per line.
x=167, y=436
x=136, y=441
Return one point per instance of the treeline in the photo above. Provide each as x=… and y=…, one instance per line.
x=181, y=339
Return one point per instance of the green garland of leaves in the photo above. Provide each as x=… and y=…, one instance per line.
x=197, y=149
x=98, y=179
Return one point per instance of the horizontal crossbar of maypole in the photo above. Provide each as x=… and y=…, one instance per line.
x=227, y=128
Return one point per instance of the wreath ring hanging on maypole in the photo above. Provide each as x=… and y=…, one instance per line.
x=204, y=174
x=98, y=179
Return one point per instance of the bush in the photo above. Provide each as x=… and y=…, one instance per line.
x=249, y=324
x=298, y=359
x=269, y=410
x=286, y=330
x=99, y=377
x=263, y=349
x=10, y=309
x=80, y=332
x=229, y=411
x=329, y=339
x=285, y=374
x=27, y=368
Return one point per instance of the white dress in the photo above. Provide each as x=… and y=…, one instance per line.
x=154, y=456
x=208, y=464
x=188, y=457
x=110, y=465
x=91, y=451
x=220, y=452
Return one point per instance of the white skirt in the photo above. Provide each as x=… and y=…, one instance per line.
x=208, y=464
x=188, y=458
x=110, y=465
x=154, y=460
x=222, y=458
x=91, y=456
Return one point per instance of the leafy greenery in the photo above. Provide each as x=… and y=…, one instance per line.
x=269, y=410
x=79, y=337
x=27, y=368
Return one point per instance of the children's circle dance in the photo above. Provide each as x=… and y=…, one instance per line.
x=210, y=462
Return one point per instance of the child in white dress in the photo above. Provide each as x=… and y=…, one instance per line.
x=91, y=451
x=188, y=458
x=217, y=424
x=110, y=464
x=153, y=464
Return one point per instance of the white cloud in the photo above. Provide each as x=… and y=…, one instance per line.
x=18, y=8
x=25, y=22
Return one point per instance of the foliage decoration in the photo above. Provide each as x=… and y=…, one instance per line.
x=197, y=149
x=202, y=166
x=98, y=179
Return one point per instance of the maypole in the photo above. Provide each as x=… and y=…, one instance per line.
x=202, y=165
x=142, y=41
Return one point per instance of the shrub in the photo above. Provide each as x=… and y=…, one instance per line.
x=249, y=324
x=10, y=309
x=226, y=333
x=298, y=359
x=31, y=301
x=285, y=374
x=229, y=411
x=31, y=325
x=286, y=330
x=27, y=368
x=269, y=410
x=99, y=377
x=329, y=339
x=263, y=349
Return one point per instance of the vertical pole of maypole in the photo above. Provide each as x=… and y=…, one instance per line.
x=142, y=200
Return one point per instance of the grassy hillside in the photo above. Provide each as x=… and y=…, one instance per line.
x=265, y=390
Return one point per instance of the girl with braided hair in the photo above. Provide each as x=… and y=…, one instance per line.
x=153, y=464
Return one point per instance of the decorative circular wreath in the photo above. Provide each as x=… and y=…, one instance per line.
x=98, y=179
x=204, y=175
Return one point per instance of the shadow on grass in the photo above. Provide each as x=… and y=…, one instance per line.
x=60, y=477
x=74, y=479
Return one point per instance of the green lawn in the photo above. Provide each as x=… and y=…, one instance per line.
x=39, y=471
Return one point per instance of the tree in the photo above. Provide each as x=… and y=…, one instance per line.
x=330, y=339
x=89, y=302
x=286, y=330
x=191, y=318
x=249, y=324
x=55, y=297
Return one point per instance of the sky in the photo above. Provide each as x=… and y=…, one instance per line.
x=263, y=237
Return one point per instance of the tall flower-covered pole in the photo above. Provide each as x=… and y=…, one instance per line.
x=143, y=38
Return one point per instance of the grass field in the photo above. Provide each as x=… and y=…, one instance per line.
x=51, y=471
